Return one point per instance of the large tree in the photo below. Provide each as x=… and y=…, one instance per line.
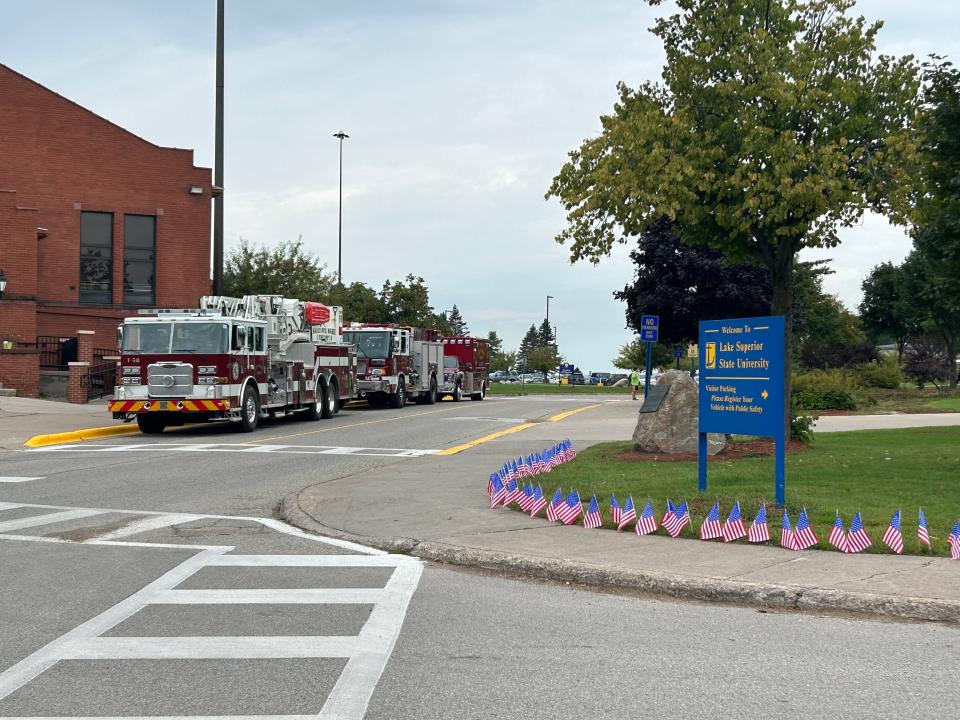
x=775, y=123
x=887, y=310
x=684, y=284
x=285, y=269
x=936, y=233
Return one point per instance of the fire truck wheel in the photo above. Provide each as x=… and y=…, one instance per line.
x=480, y=395
x=399, y=398
x=249, y=411
x=331, y=400
x=432, y=395
x=149, y=424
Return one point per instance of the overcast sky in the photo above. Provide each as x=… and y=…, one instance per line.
x=459, y=113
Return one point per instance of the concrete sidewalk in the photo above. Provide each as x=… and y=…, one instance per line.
x=22, y=418
x=436, y=508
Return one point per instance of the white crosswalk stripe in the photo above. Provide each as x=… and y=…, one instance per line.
x=238, y=448
x=366, y=653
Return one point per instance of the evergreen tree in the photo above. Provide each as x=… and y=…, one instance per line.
x=458, y=326
x=545, y=336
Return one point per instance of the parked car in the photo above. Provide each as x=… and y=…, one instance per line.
x=597, y=377
x=576, y=378
x=505, y=376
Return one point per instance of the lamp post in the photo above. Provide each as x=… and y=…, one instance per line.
x=341, y=136
x=3, y=283
x=549, y=298
x=218, y=162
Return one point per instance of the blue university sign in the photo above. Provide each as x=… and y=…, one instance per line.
x=741, y=383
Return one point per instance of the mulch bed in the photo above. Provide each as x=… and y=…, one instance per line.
x=733, y=451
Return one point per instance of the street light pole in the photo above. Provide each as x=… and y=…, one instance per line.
x=341, y=136
x=218, y=162
x=549, y=298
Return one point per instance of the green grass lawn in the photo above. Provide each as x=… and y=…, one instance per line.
x=952, y=404
x=553, y=389
x=875, y=472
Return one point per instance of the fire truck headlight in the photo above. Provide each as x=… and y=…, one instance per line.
x=208, y=370
x=121, y=393
x=131, y=381
x=131, y=371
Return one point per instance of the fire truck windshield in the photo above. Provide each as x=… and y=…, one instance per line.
x=165, y=337
x=370, y=344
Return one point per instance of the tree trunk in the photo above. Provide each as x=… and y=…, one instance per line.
x=901, y=342
x=781, y=271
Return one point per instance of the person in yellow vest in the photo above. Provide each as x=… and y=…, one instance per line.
x=634, y=383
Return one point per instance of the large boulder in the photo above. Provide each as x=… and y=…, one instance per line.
x=673, y=428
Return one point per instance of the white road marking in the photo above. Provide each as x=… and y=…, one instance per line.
x=354, y=688
x=156, y=522
x=46, y=519
x=170, y=717
x=271, y=523
x=14, y=479
x=239, y=448
x=367, y=652
x=338, y=561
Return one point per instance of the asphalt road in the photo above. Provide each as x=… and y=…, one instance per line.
x=144, y=577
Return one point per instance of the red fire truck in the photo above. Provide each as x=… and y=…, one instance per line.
x=466, y=367
x=234, y=359
x=396, y=362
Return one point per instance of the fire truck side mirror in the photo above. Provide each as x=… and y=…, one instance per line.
x=120, y=337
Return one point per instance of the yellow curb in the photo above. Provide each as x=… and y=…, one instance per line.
x=510, y=430
x=80, y=435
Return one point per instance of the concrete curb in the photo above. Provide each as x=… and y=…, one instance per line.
x=81, y=435
x=768, y=596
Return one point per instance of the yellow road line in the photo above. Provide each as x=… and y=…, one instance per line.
x=515, y=429
x=80, y=435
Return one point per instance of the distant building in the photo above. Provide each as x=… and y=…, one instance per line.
x=95, y=223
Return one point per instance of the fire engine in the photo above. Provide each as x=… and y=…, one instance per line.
x=234, y=359
x=396, y=362
x=466, y=367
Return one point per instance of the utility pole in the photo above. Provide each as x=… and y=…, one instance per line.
x=218, y=164
x=341, y=136
x=549, y=298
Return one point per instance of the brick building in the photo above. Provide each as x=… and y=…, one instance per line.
x=95, y=223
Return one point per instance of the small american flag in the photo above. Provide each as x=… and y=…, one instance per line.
x=711, y=525
x=647, y=523
x=922, y=534
x=892, y=536
x=857, y=540
x=541, y=464
x=514, y=493
x=838, y=536
x=786, y=532
x=507, y=472
x=628, y=515
x=554, y=506
x=953, y=540
x=570, y=508
x=522, y=470
x=759, y=530
x=593, y=518
x=490, y=484
x=615, y=510
x=539, y=501
x=526, y=500
x=498, y=492
x=568, y=451
x=678, y=520
x=668, y=512
x=733, y=529
x=804, y=536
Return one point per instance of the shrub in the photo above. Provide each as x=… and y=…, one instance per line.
x=801, y=426
x=817, y=356
x=926, y=362
x=883, y=374
x=824, y=390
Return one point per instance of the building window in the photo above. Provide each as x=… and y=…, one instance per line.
x=96, y=258
x=139, y=259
